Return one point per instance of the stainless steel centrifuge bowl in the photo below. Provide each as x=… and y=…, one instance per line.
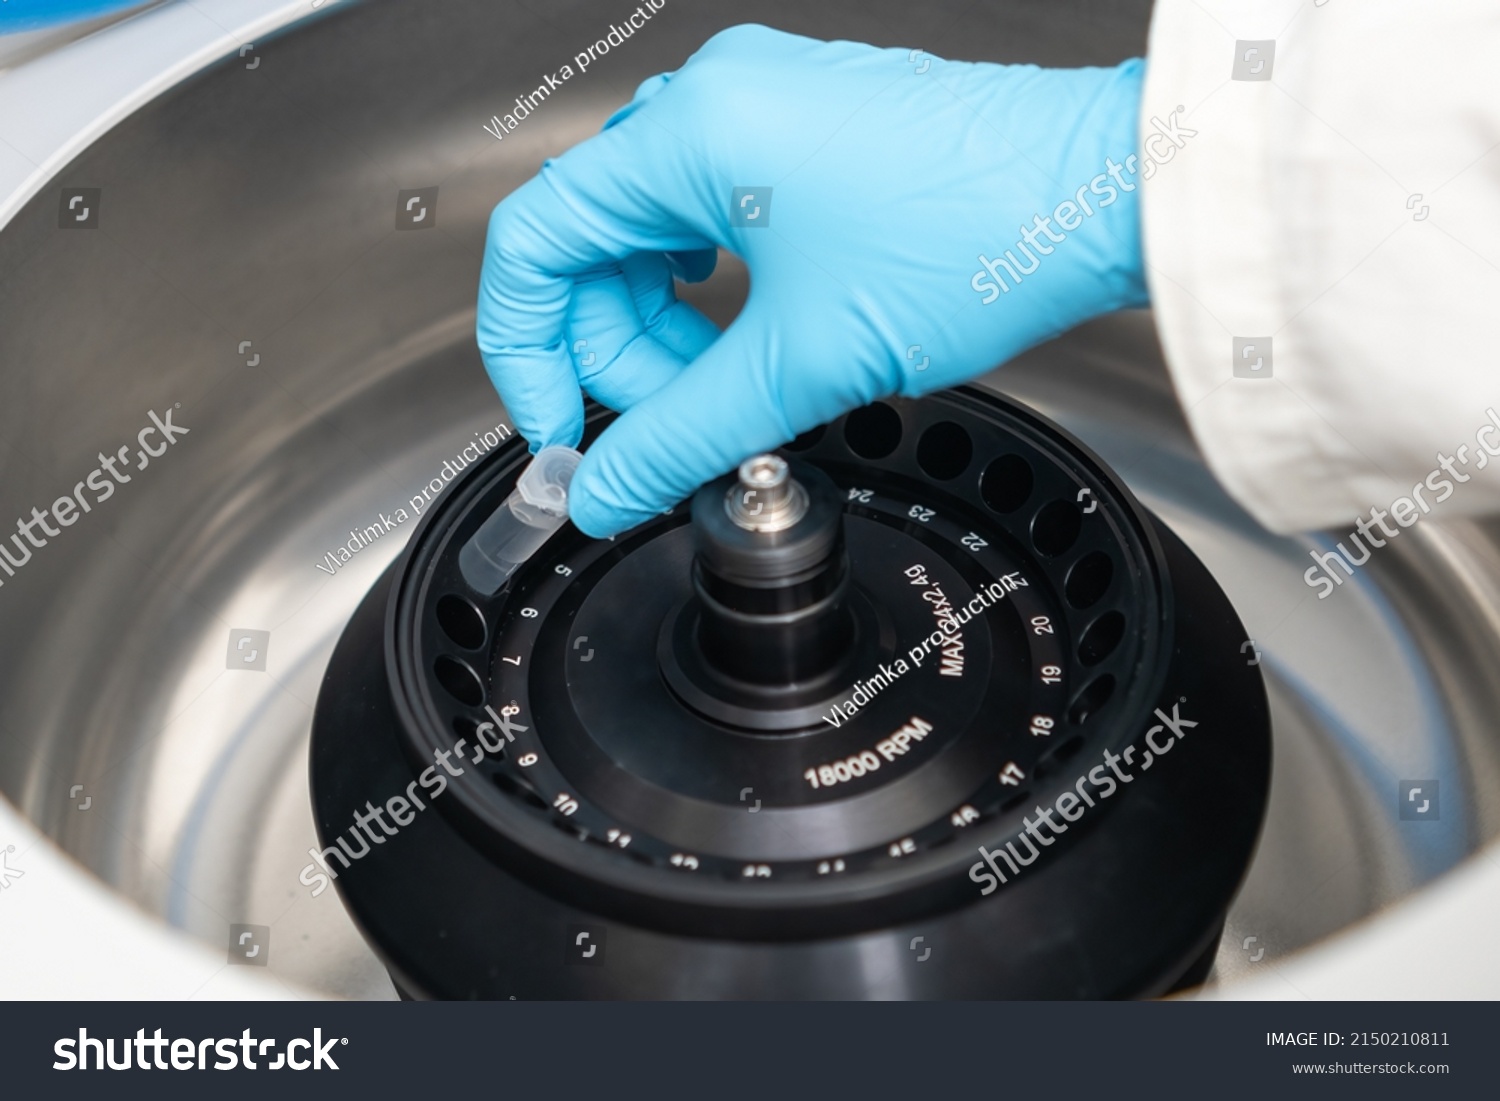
x=249, y=275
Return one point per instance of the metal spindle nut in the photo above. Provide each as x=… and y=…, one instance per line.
x=767, y=497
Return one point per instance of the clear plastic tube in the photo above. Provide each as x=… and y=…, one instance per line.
x=536, y=508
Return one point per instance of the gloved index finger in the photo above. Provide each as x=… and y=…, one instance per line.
x=622, y=192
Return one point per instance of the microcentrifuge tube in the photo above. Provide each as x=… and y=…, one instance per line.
x=536, y=508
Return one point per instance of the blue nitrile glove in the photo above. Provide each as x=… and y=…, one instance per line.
x=876, y=196
x=30, y=15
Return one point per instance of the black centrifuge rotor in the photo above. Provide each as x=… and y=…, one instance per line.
x=719, y=836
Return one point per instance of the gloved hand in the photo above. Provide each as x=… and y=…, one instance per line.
x=30, y=15
x=880, y=181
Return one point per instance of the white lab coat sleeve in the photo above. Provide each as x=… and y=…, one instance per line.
x=1338, y=215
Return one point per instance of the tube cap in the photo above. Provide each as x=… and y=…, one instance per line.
x=535, y=509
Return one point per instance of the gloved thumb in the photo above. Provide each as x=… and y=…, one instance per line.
x=725, y=406
x=649, y=87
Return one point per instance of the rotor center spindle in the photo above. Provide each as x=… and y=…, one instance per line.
x=771, y=574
